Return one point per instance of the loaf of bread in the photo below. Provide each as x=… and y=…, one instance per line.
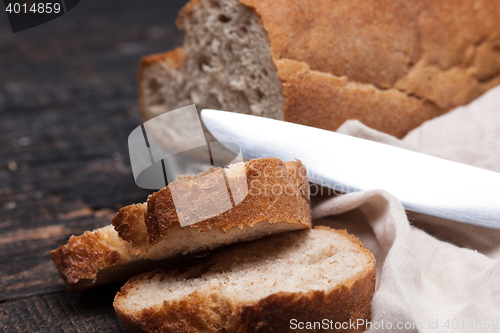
x=390, y=64
x=277, y=200
x=259, y=286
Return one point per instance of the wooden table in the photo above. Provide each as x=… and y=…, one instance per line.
x=68, y=101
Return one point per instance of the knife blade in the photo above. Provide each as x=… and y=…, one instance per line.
x=422, y=183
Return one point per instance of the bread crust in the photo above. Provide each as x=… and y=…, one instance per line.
x=289, y=202
x=407, y=46
x=336, y=100
x=129, y=223
x=83, y=256
x=390, y=64
x=93, y=258
x=273, y=313
x=195, y=312
x=174, y=58
x=352, y=300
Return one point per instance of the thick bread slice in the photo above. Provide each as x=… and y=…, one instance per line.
x=277, y=201
x=258, y=286
x=390, y=64
x=102, y=256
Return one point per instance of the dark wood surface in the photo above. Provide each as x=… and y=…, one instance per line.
x=68, y=102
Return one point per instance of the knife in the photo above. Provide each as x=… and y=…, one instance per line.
x=422, y=183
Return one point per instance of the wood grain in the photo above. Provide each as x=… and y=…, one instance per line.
x=68, y=102
x=62, y=312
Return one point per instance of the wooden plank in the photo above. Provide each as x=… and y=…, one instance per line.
x=62, y=312
x=25, y=264
x=79, y=157
x=92, y=52
x=68, y=101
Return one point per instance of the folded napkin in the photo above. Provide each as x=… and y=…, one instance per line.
x=433, y=275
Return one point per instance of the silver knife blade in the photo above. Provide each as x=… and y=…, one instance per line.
x=422, y=183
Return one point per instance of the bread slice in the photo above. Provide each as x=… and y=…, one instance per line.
x=277, y=201
x=392, y=65
x=259, y=286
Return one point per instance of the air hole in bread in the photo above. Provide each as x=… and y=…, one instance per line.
x=224, y=19
x=203, y=62
x=259, y=93
x=242, y=31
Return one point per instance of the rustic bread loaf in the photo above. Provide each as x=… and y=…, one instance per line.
x=390, y=64
x=277, y=201
x=259, y=286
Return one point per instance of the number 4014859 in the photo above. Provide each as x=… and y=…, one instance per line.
x=479, y=324
x=39, y=8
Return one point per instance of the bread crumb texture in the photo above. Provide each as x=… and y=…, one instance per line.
x=257, y=286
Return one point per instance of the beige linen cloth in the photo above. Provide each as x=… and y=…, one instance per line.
x=432, y=274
